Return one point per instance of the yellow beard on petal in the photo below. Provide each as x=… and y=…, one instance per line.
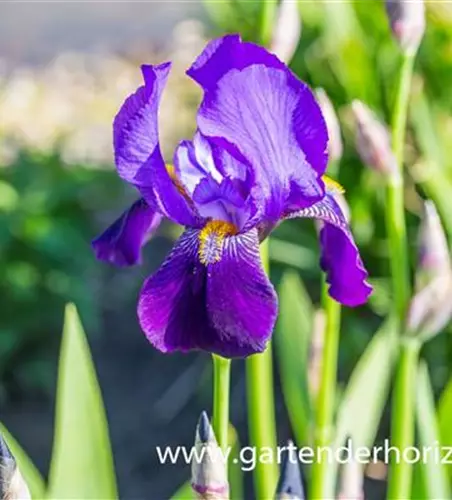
x=172, y=173
x=332, y=186
x=211, y=238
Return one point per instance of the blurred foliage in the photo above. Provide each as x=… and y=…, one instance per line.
x=46, y=224
x=82, y=460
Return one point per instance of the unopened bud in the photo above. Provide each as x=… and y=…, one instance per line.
x=352, y=480
x=335, y=146
x=407, y=20
x=208, y=468
x=12, y=484
x=290, y=485
x=373, y=140
x=431, y=309
x=287, y=30
x=434, y=259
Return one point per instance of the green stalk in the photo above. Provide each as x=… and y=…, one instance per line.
x=403, y=402
x=268, y=14
x=402, y=426
x=398, y=247
x=326, y=397
x=261, y=416
x=395, y=208
x=399, y=118
x=221, y=379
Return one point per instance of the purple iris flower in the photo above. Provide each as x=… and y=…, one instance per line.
x=257, y=158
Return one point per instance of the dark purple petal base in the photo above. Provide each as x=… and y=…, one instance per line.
x=228, y=307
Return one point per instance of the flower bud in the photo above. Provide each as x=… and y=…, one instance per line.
x=12, y=484
x=434, y=259
x=290, y=485
x=351, y=483
x=431, y=309
x=287, y=30
x=407, y=20
x=335, y=146
x=373, y=140
x=208, y=468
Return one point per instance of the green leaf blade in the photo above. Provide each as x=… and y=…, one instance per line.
x=30, y=473
x=82, y=461
x=292, y=343
x=432, y=480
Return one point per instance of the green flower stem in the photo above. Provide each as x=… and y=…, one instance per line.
x=326, y=397
x=399, y=117
x=398, y=247
x=221, y=379
x=261, y=416
x=268, y=14
x=402, y=416
x=402, y=426
x=395, y=209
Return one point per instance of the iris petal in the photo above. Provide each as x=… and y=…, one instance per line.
x=121, y=243
x=340, y=257
x=255, y=107
x=137, y=152
x=241, y=300
x=228, y=307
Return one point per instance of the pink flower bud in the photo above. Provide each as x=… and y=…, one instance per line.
x=407, y=20
x=434, y=258
x=208, y=468
x=373, y=140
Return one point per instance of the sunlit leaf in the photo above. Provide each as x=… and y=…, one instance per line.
x=82, y=463
x=432, y=482
x=292, y=341
x=365, y=396
x=185, y=492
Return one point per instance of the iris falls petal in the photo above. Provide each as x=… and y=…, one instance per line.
x=121, y=243
x=241, y=300
x=340, y=257
x=211, y=293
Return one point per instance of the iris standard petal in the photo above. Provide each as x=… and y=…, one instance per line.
x=222, y=54
x=218, y=184
x=255, y=107
x=121, y=243
x=340, y=257
x=183, y=305
x=137, y=151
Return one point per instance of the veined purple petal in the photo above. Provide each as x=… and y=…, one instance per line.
x=121, y=243
x=137, y=152
x=187, y=305
x=228, y=52
x=255, y=107
x=241, y=300
x=219, y=185
x=340, y=257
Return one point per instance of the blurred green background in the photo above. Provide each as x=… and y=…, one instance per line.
x=58, y=189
